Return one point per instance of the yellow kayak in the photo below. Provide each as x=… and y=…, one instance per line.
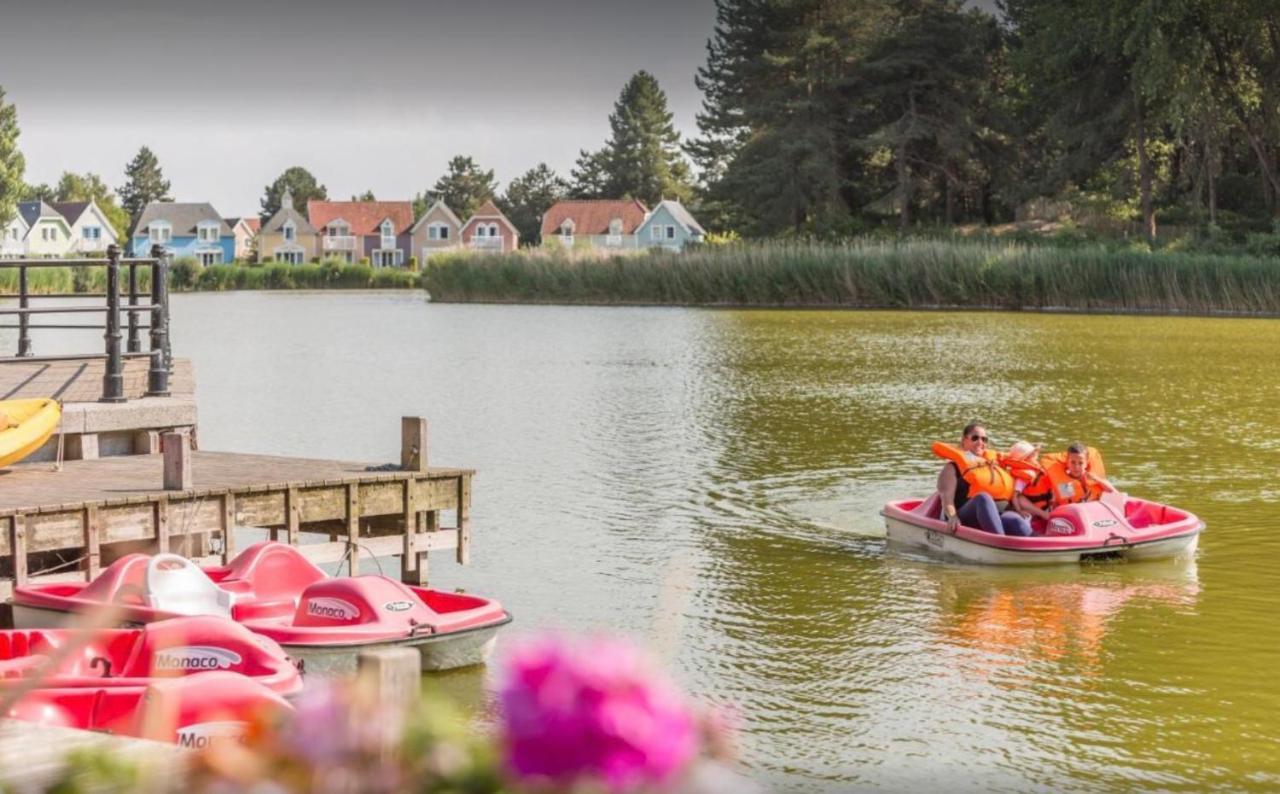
x=24, y=427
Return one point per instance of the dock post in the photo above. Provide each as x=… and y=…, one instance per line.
x=353, y=529
x=177, y=462
x=464, y=519
x=133, y=345
x=413, y=562
x=413, y=444
x=158, y=375
x=113, y=380
x=24, y=321
x=393, y=674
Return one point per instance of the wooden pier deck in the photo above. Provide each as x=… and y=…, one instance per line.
x=89, y=506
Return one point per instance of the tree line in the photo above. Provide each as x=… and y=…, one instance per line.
x=827, y=118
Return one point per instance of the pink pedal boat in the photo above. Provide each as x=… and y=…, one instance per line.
x=1118, y=527
x=191, y=712
x=271, y=589
x=135, y=658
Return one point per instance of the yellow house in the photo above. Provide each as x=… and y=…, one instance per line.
x=288, y=236
x=39, y=231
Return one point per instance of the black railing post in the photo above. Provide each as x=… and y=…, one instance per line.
x=134, y=344
x=24, y=331
x=113, y=380
x=158, y=375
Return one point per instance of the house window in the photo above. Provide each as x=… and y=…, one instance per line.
x=44, y=233
x=160, y=234
x=210, y=257
x=493, y=230
x=290, y=232
x=437, y=231
x=655, y=232
x=391, y=258
x=92, y=232
x=671, y=232
x=482, y=231
x=289, y=257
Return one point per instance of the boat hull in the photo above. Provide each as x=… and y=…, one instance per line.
x=939, y=543
x=436, y=652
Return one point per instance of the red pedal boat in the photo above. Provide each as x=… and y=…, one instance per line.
x=191, y=712
x=135, y=658
x=1118, y=527
x=273, y=590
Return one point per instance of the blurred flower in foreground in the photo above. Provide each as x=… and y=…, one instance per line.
x=594, y=711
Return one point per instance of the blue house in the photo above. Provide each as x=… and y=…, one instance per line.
x=669, y=225
x=195, y=230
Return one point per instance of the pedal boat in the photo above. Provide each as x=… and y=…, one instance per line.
x=322, y=622
x=1118, y=527
x=26, y=426
x=133, y=659
x=192, y=712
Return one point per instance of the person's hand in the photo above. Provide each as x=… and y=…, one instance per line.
x=953, y=523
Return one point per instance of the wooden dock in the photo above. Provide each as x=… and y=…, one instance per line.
x=93, y=510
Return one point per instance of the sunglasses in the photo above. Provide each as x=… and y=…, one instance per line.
x=976, y=438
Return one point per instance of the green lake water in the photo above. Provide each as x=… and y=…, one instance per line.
x=709, y=482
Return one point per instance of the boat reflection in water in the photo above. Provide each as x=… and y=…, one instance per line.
x=1006, y=619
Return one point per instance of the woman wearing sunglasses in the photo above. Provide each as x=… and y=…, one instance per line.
x=975, y=489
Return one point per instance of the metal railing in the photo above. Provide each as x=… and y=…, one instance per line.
x=338, y=242
x=158, y=327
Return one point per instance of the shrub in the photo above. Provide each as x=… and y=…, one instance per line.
x=185, y=273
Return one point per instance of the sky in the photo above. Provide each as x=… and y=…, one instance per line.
x=368, y=95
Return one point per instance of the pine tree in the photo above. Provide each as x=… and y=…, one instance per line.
x=12, y=163
x=144, y=184
x=643, y=155
x=90, y=187
x=529, y=196
x=590, y=175
x=465, y=186
x=300, y=183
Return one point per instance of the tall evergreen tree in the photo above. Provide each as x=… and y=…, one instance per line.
x=529, y=196
x=301, y=185
x=643, y=155
x=90, y=187
x=590, y=175
x=465, y=186
x=144, y=183
x=12, y=163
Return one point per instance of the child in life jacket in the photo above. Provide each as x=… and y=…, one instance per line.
x=1078, y=475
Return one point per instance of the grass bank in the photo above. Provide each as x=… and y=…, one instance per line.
x=954, y=273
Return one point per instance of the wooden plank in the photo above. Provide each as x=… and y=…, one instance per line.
x=228, y=527
x=353, y=528
x=177, y=462
x=293, y=515
x=464, y=520
x=92, y=543
x=393, y=676
x=389, y=546
x=413, y=444
x=413, y=565
x=18, y=549
x=161, y=512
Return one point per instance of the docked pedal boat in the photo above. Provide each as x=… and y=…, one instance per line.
x=191, y=712
x=270, y=588
x=1118, y=527
x=135, y=658
x=24, y=427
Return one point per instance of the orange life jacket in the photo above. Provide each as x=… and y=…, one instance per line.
x=984, y=474
x=1065, y=489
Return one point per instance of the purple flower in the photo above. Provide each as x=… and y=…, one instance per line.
x=594, y=710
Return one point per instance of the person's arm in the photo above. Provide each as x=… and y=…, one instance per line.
x=947, y=493
x=1028, y=508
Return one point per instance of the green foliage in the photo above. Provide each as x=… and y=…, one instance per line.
x=529, y=196
x=870, y=273
x=185, y=273
x=331, y=274
x=144, y=183
x=642, y=158
x=12, y=163
x=300, y=184
x=464, y=187
x=41, y=192
x=365, y=196
x=90, y=187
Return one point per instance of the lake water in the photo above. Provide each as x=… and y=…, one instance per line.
x=709, y=482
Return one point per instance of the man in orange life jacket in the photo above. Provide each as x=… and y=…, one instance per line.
x=979, y=509
x=1065, y=482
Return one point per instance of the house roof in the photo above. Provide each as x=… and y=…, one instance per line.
x=592, y=216
x=681, y=215
x=253, y=223
x=441, y=206
x=364, y=216
x=183, y=217
x=32, y=211
x=71, y=210
x=287, y=213
x=490, y=210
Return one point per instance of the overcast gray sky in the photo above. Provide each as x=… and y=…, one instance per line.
x=368, y=95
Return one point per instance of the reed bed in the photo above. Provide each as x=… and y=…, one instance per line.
x=876, y=274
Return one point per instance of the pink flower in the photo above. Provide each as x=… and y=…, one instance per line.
x=593, y=710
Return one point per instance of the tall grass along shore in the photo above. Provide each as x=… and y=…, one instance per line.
x=917, y=274
x=920, y=274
